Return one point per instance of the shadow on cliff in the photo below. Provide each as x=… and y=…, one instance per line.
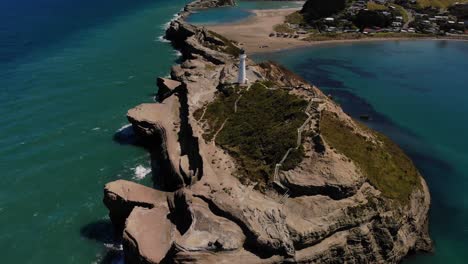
x=102, y=231
x=126, y=136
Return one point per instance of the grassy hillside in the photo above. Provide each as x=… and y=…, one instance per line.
x=260, y=132
x=385, y=165
x=374, y=6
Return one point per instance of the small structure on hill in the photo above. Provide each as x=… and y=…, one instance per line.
x=242, y=79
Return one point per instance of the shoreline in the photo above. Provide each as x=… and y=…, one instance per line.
x=353, y=41
x=252, y=33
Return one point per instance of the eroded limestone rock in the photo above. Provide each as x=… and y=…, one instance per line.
x=148, y=235
x=166, y=88
x=158, y=125
x=121, y=196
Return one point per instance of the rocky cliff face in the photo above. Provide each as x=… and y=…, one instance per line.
x=325, y=210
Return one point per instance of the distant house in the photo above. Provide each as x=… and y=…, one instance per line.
x=441, y=18
x=329, y=19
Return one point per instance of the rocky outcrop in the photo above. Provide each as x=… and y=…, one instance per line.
x=203, y=4
x=324, y=210
x=148, y=235
x=167, y=87
x=167, y=133
x=191, y=40
x=156, y=123
x=121, y=196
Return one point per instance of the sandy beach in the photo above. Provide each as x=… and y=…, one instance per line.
x=253, y=33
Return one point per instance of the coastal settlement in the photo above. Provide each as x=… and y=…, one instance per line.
x=383, y=18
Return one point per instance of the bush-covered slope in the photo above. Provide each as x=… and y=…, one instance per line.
x=315, y=9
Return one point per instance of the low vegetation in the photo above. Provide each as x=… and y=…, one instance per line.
x=385, y=165
x=260, y=132
x=438, y=3
x=295, y=18
x=402, y=11
x=374, y=6
x=350, y=36
x=283, y=28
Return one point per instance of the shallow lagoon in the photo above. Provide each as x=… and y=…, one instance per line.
x=236, y=13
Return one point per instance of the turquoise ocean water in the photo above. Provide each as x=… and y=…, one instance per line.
x=69, y=71
x=416, y=92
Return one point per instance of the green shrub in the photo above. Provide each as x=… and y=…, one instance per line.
x=283, y=28
x=295, y=18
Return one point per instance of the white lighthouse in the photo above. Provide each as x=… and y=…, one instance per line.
x=242, y=78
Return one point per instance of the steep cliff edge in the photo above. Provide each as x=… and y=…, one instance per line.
x=342, y=192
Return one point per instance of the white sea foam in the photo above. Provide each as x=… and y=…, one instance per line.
x=140, y=172
x=112, y=246
x=178, y=53
x=162, y=39
x=167, y=24
x=124, y=127
x=117, y=256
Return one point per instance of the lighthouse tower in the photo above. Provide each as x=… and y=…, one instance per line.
x=242, y=77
